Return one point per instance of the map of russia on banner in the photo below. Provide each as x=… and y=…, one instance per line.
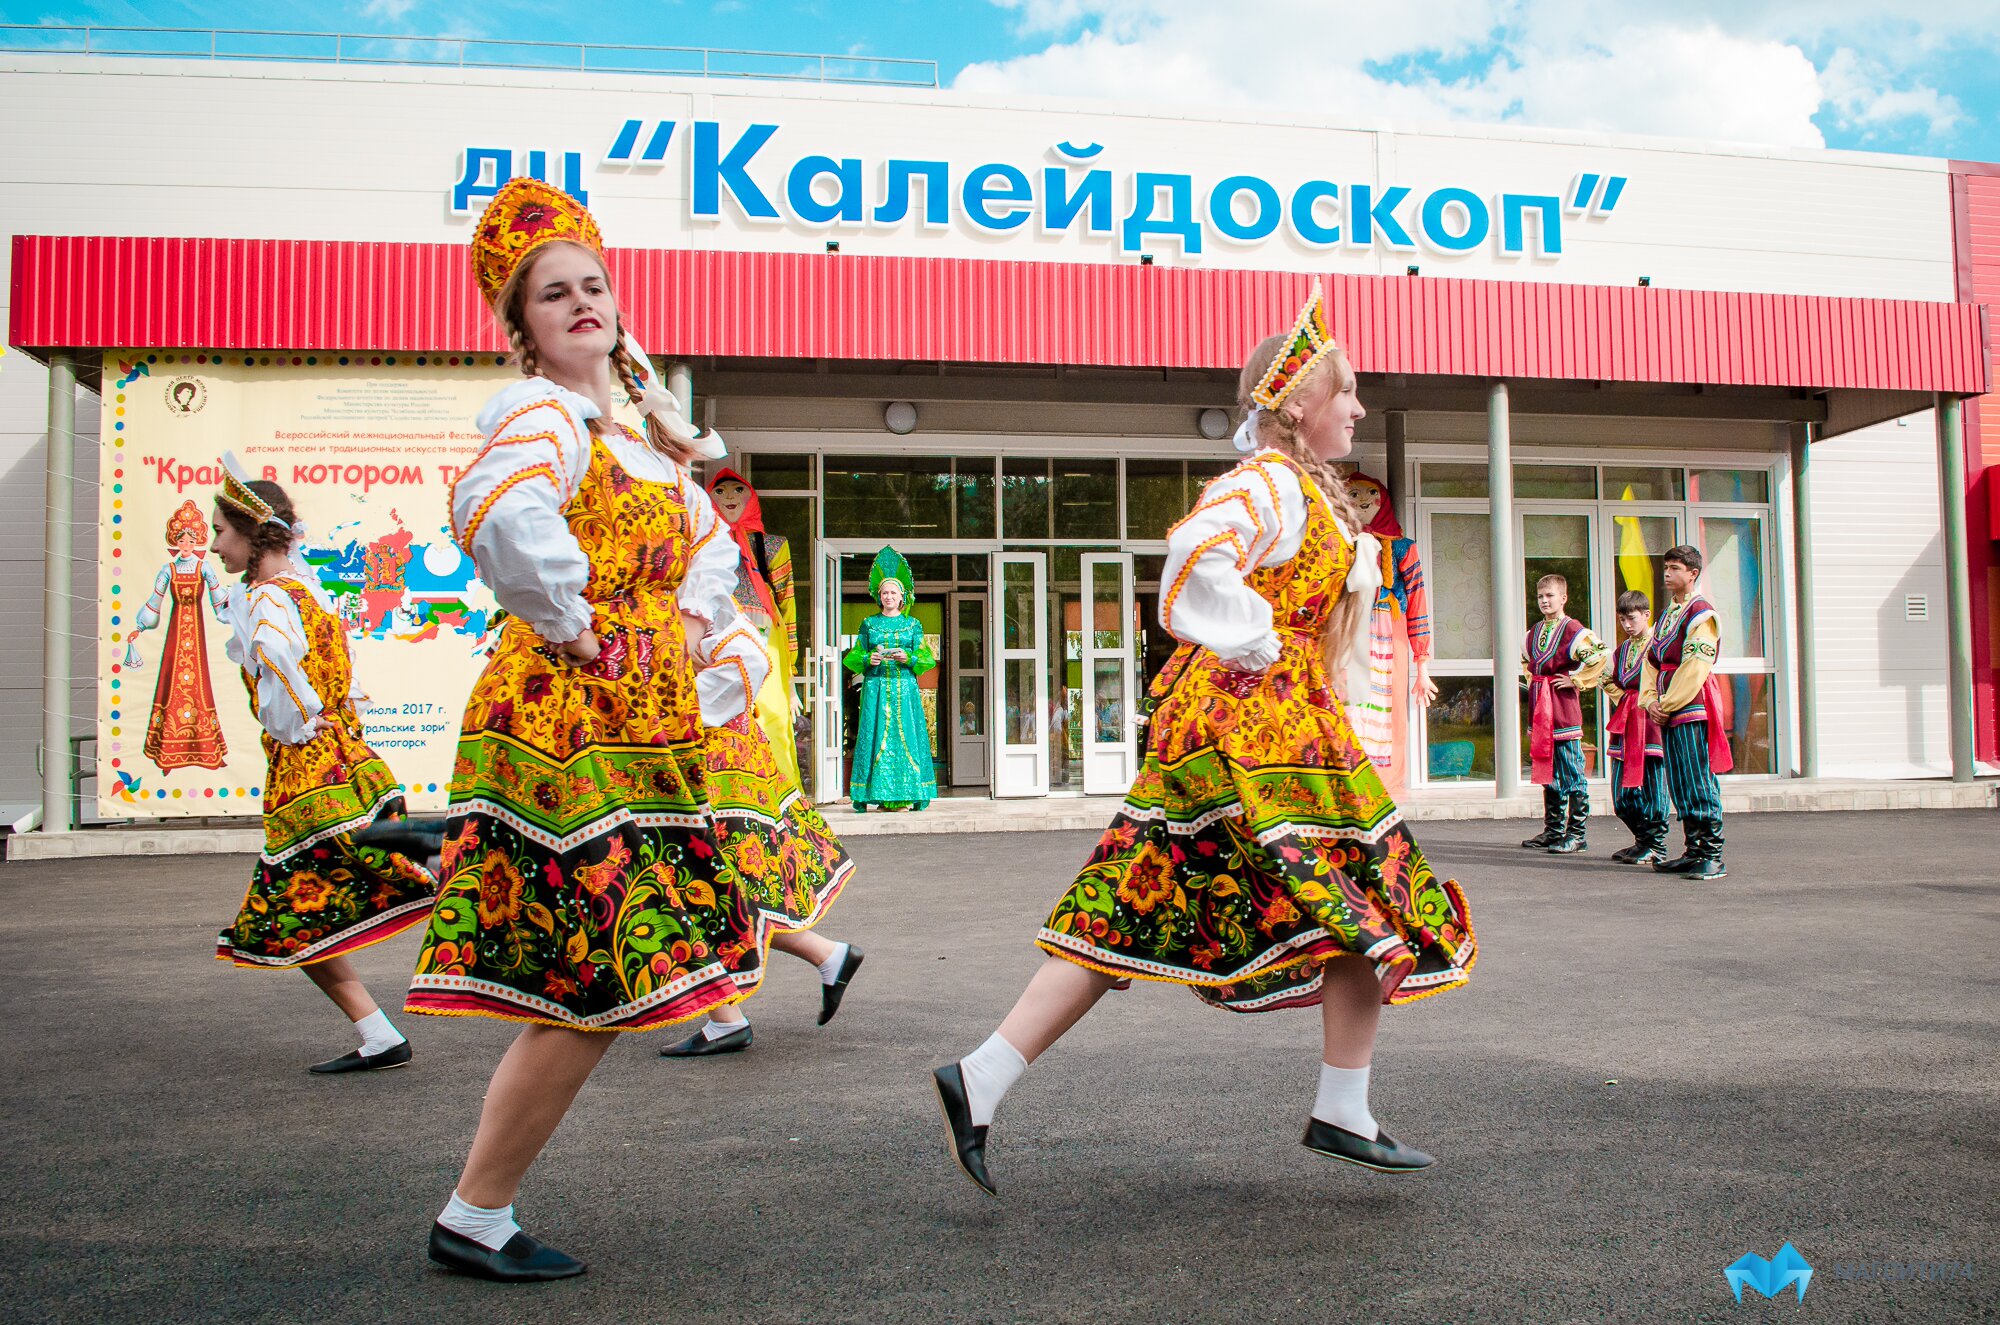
x=366, y=446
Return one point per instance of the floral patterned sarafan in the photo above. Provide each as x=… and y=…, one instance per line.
x=1257, y=843
x=317, y=894
x=584, y=883
x=790, y=863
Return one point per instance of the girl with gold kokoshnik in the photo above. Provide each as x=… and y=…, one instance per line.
x=318, y=893
x=586, y=890
x=1257, y=858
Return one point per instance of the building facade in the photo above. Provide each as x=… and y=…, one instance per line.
x=997, y=335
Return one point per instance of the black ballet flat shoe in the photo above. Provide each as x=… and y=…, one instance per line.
x=1650, y=856
x=968, y=1143
x=522, y=1261
x=699, y=1045
x=1628, y=855
x=1707, y=870
x=1678, y=865
x=1384, y=1154
x=356, y=1061
x=830, y=995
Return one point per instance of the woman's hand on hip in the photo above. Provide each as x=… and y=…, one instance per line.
x=581, y=650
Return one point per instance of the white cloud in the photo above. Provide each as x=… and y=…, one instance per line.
x=1706, y=69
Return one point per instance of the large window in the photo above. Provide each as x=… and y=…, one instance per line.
x=1605, y=529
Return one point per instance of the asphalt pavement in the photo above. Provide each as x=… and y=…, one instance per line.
x=1645, y=1081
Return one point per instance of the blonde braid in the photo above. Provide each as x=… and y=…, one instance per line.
x=627, y=367
x=524, y=353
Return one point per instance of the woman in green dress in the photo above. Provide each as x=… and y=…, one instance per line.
x=892, y=749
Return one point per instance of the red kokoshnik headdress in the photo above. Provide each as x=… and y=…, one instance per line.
x=748, y=523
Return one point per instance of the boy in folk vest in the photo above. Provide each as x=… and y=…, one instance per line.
x=1638, y=774
x=1681, y=693
x=1560, y=659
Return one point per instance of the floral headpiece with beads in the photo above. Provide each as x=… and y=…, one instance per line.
x=236, y=492
x=1310, y=341
x=889, y=565
x=523, y=216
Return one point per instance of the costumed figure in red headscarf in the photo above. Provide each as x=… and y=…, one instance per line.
x=1399, y=655
x=764, y=594
x=184, y=730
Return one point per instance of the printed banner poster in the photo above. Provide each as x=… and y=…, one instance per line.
x=367, y=447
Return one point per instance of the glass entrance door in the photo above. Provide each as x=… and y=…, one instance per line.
x=966, y=718
x=1020, y=683
x=1109, y=744
x=828, y=680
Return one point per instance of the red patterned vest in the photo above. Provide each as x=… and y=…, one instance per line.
x=1669, y=646
x=1549, y=656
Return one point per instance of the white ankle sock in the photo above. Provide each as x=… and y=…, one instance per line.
x=829, y=970
x=989, y=1070
x=715, y=1030
x=489, y=1228
x=377, y=1032
x=1343, y=1100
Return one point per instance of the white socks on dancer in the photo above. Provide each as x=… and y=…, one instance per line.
x=1343, y=1100
x=715, y=1030
x=829, y=970
x=491, y=1229
x=989, y=1070
x=378, y=1033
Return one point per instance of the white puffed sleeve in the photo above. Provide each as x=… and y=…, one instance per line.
x=1364, y=579
x=267, y=639
x=507, y=507
x=1255, y=515
x=734, y=665
x=713, y=555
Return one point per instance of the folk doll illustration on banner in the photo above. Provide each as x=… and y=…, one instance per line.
x=184, y=730
x=764, y=595
x=1399, y=641
x=892, y=747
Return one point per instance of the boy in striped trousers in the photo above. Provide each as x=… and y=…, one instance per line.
x=1680, y=691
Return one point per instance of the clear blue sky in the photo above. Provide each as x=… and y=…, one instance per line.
x=1835, y=73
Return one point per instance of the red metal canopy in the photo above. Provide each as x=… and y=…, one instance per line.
x=73, y=292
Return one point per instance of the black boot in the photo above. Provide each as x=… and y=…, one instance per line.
x=1652, y=844
x=1681, y=864
x=1708, y=861
x=1572, y=841
x=1552, y=821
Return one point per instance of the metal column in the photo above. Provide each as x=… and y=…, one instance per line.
x=1957, y=584
x=1506, y=615
x=1397, y=464
x=57, y=525
x=1802, y=587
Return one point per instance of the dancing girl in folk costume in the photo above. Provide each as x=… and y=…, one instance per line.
x=585, y=889
x=1679, y=690
x=317, y=893
x=1257, y=857
x=892, y=743
x=184, y=730
x=1399, y=640
x=1638, y=778
x=790, y=864
x=1560, y=659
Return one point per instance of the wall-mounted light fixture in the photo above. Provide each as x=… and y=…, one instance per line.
x=1213, y=424
x=1645, y=282
x=1145, y=259
x=833, y=246
x=1411, y=270
x=900, y=417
